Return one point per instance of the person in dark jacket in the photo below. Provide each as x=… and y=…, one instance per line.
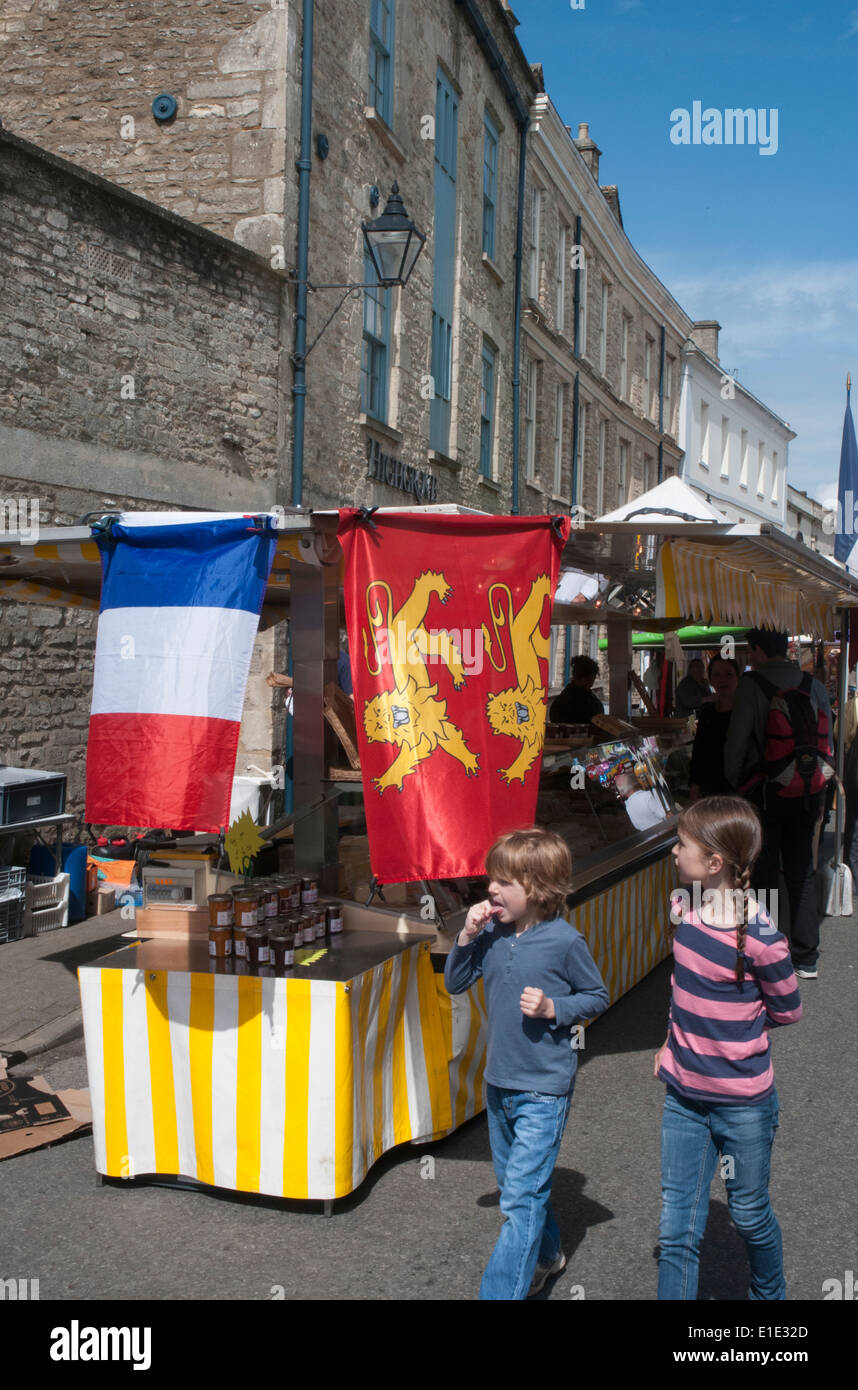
x=788, y=824
x=707, y=755
x=577, y=704
x=692, y=690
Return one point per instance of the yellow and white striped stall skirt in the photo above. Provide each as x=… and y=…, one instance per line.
x=274, y=1085
x=626, y=926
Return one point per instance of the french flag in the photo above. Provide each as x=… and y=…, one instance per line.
x=180, y=604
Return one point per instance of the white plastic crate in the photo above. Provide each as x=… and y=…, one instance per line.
x=46, y=904
x=47, y=891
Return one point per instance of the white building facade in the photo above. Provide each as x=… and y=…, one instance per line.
x=806, y=520
x=736, y=448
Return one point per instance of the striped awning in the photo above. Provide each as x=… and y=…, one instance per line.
x=744, y=583
x=66, y=572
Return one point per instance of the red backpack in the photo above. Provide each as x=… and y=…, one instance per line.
x=797, y=751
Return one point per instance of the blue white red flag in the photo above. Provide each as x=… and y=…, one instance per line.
x=180, y=607
x=847, y=494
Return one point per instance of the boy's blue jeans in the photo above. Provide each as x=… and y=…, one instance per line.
x=692, y=1136
x=525, y=1130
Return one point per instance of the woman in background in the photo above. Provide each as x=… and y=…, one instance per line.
x=707, y=754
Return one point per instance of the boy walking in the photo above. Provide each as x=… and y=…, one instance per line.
x=540, y=979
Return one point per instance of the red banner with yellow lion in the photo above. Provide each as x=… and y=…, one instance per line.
x=448, y=622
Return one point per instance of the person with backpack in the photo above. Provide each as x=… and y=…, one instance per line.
x=778, y=755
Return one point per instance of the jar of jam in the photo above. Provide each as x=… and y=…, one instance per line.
x=308, y=928
x=309, y=892
x=239, y=942
x=284, y=898
x=295, y=894
x=221, y=913
x=271, y=900
x=220, y=942
x=334, y=918
x=320, y=924
x=257, y=946
x=246, y=902
x=282, y=947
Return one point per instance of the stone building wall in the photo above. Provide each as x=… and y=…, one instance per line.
x=570, y=189
x=363, y=153
x=125, y=331
x=79, y=79
x=139, y=364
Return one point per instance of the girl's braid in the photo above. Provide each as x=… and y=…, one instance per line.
x=742, y=882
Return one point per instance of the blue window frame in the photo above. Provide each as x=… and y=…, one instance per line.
x=375, y=348
x=444, y=270
x=487, y=399
x=381, y=17
x=490, y=183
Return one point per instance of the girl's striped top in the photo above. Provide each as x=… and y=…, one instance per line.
x=718, y=1046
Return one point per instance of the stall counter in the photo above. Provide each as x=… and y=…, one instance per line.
x=290, y=1085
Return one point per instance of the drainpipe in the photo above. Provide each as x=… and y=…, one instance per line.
x=516, y=367
x=576, y=347
x=304, y=165
x=661, y=409
x=575, y=400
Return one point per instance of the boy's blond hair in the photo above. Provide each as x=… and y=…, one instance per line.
x=537, y=859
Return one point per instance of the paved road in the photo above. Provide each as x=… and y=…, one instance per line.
x=403, y=1236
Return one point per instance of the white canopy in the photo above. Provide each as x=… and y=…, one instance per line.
x=669, y=501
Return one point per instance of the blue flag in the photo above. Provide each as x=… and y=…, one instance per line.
x=847, y=490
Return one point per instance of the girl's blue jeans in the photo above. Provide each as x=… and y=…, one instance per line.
x=525, y=1130
x=693, y=1135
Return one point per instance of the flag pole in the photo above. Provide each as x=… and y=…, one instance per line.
x=837, y=898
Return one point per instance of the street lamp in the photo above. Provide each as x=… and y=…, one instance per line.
x=393, y=242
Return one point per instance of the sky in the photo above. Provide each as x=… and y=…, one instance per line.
x=764, y=243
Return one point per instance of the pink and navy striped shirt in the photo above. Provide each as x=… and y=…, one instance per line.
x=718, y=1046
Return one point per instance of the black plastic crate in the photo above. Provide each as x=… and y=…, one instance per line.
x=27, y=794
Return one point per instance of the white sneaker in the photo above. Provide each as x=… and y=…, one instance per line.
x=545, y=1272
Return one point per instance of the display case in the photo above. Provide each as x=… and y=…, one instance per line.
x=601, y=796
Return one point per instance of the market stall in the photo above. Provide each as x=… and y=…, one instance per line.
x=295, y=1084
x=288, y=1085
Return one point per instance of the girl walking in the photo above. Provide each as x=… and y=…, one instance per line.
x=733, y=980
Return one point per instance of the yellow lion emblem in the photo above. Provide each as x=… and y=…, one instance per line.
x=410, y=716
x=519, y=711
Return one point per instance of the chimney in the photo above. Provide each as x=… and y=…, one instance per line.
x=705, y=335
x=589, y=149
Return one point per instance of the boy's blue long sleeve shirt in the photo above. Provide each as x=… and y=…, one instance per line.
x=530, y=1054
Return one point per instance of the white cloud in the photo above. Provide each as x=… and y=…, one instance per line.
x=789, y=330
x=772, y=308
